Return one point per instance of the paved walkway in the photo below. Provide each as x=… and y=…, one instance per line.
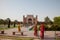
x=48, y=35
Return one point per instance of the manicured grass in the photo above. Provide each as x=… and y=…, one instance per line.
x=4, y=28
x=57, y=38
x=15, y=38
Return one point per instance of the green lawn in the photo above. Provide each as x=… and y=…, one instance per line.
x=57, y=38
x=15, y=38
x=5, y=27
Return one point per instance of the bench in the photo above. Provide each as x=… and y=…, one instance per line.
x=2, y=32
x=15, y=33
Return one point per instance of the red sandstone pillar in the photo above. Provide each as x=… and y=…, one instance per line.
x=42, y=31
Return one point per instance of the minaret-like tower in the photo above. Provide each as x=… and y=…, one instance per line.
x=36, y=20
x=24, y=20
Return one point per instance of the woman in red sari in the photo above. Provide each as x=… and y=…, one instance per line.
x=35, y=30
x=42, y=31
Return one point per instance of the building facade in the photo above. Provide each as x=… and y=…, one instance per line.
x=29, y=19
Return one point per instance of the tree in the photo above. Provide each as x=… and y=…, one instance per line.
x=5, y=21
x=57, y=20
x=15, y=22
x=1, y=21
x=9, y=21
x=47, y=20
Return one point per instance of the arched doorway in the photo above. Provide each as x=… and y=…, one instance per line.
x=30, y=21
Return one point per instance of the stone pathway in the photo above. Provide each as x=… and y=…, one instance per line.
x=49, y=35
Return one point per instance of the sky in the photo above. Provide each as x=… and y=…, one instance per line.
x=15, y=9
